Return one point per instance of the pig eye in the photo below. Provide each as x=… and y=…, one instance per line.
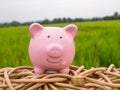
x=60, y=37
x=48, y=36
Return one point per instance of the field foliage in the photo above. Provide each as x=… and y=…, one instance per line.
x=97, y=44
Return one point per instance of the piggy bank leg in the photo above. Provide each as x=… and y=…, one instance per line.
x=38, y=70
x=65, y=71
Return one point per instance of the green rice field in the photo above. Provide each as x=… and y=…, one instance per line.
x=97, y=44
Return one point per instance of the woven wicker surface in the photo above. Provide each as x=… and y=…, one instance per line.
x=79, y=78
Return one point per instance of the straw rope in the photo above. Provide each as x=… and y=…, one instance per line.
x=79, y=78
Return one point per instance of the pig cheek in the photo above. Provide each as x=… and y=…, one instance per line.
x=42, y=62
x=37, y=56
x=69, y=53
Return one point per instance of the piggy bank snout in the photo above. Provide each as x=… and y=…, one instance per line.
x=54, y=50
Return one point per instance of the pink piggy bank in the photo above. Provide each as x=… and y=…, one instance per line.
x=52, y=48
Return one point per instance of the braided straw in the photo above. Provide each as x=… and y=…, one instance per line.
x=79, y=78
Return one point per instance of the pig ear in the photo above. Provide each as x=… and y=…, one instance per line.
x=35, y=28
x=72, y=29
